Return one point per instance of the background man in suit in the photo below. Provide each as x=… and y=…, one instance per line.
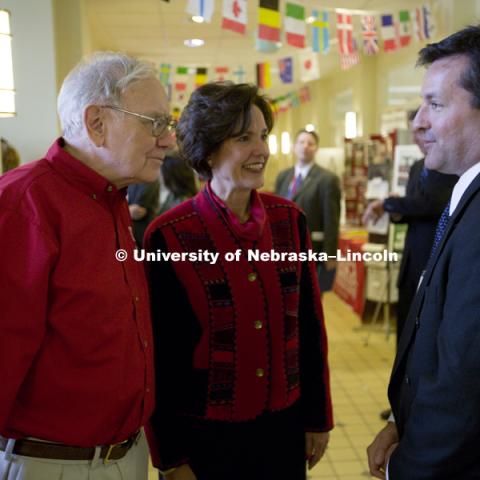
x=425, y=198
x=435, y=385
x=317, y=192
x=427, y=194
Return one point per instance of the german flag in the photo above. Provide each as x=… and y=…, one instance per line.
x=263, y=75
x=201, y=77
x=269, y=20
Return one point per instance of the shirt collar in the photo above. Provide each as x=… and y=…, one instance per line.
x=79, y=174
x=303, y=170
x=461, y=186
x=253, y=228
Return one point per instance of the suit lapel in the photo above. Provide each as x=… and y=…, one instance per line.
x=418, y=300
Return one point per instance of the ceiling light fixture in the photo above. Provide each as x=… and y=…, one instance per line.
x=194, y=42
x=198, y=19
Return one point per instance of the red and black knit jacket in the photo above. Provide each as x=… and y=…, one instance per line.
x=234, y=338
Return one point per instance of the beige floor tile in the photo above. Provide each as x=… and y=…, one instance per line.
x=349, y=468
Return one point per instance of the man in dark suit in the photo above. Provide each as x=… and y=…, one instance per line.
x=317, y=192
x=434, y=389
x=425, y=198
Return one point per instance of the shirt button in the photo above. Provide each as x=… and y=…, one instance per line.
x=417, y=323
x=260, y=372
x=407, y=379
x=252, y=277
x=137, y=299
x=258, y=325
x=147, y=390
x=109, y=188
x=94, y=196
x=145, y=343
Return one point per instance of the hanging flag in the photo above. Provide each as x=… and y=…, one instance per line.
x=295, y=26
x=389, y=34
x=221, y=73
x=294, y=100
x=423, y=23
x=176, y=113
x=263, y=75
x=182, y=70
x=266, y=46
x=200, y=77
x=269, y=21
x=239, y=75
x=405, y=32
x=180, y=86
x=285, y=67
x=235, y=15
x=370, y=35
x=201, y=8
x=320, y=32
x=349, y=60
x=308, y=66
x=165, y=73
x=304, y=94
x=284, y=103
x=344, y=33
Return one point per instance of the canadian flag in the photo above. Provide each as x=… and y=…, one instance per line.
x=235, y=15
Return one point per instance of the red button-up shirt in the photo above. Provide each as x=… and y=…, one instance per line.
x=76, y=360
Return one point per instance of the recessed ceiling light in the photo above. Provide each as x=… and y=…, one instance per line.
x=194, y=42
x=310, y=19
x=198, y=19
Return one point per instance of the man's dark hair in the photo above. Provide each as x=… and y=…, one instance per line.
x=312, y=133
x=178, y=176
x=464, y=42
x=411, y=114
x=215, y=112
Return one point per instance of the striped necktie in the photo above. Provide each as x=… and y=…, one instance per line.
x=441, y=227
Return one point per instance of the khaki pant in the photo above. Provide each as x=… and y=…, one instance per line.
x=134, y=466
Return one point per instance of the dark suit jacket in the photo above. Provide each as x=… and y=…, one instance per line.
x=435, y=384
x=421, y=208
x=146, y=195
x=319, y=197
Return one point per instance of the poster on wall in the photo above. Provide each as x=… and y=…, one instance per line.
x=403, y=158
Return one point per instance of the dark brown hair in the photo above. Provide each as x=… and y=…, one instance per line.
x=215, y=112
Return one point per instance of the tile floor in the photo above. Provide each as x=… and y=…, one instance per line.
x=359, y=377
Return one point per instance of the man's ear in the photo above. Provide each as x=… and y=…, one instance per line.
x=94, y=120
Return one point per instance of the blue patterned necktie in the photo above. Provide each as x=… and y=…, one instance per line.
x=294, y=186
x=441, y=227
x=423, y=176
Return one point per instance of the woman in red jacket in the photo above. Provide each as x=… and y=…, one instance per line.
x=241, y=350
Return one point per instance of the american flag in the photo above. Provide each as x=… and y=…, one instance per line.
x=349, y=60
x=370, y=35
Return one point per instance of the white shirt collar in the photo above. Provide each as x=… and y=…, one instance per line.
x=303, y=169
x=463, y=183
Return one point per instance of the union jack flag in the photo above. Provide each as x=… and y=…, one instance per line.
x=370, y=35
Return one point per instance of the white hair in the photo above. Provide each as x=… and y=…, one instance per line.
x=99, y=79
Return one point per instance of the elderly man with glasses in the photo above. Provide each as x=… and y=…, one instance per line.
x=76, y=362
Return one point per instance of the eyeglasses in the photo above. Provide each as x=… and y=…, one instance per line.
x=160, y=125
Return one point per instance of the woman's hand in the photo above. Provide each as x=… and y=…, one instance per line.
x=183, y=472
x=316, y=444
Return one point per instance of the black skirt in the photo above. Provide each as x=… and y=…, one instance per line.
x=271, y=447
